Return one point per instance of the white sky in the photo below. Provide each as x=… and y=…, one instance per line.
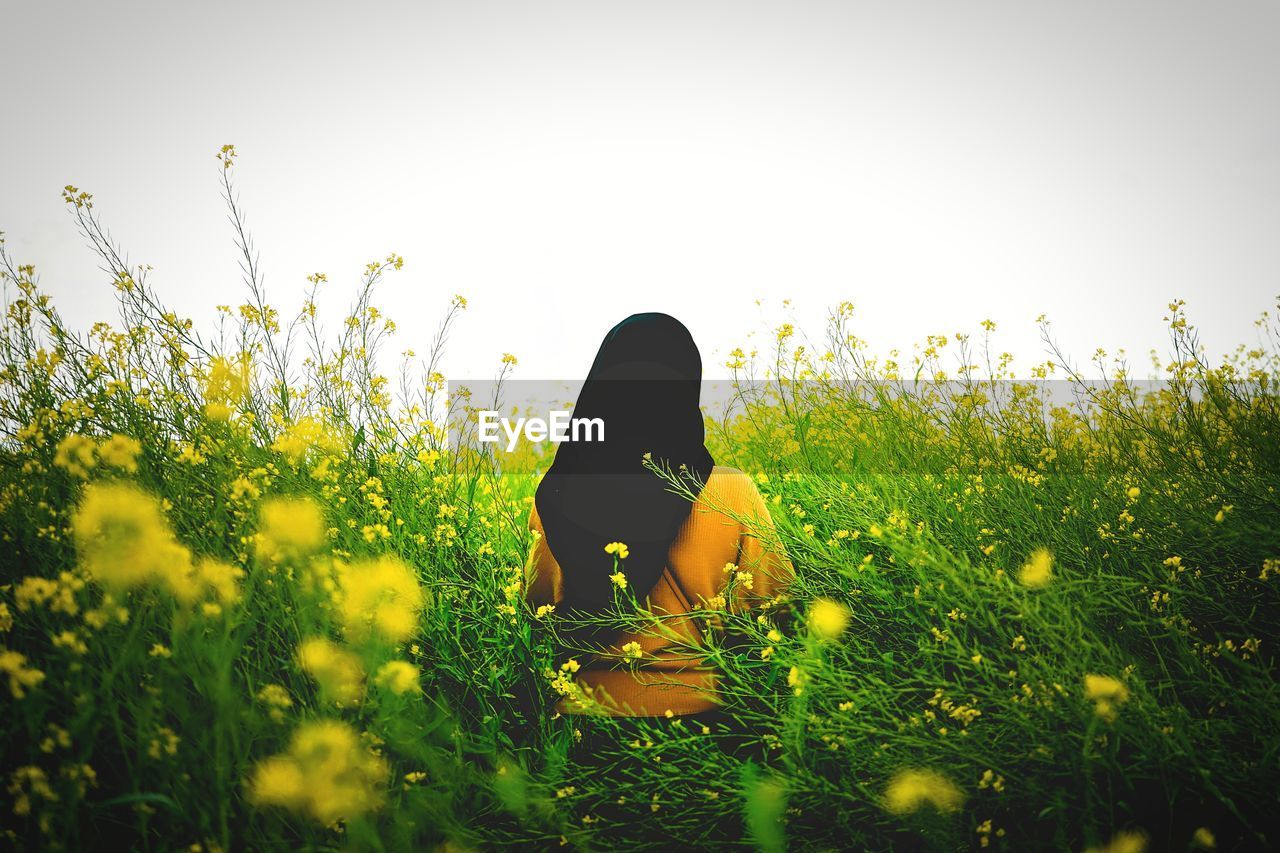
x=565, y=164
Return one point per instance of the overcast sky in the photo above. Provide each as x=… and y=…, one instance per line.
x=565, y=164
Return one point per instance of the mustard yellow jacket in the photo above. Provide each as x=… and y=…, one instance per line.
x=728, y=533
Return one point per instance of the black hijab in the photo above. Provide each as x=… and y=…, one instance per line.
x=644, y=384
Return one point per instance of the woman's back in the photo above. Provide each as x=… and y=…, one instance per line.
x=727, y=533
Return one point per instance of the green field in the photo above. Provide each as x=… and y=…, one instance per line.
x=251, y=599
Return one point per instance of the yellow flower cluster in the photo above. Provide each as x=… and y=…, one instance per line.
x=326, y=774
x=305, y=435
x=380, y=597
x=1125, y=841
x=828, y=619
x=337, y=671
x=563, y=683
x=400, y=677
x=70, y=641
x=512, y=590
x=28, y=782
x=289, y=529
x=58, y=595
x=797, y=679
x=910, y=789
x=21, y=677
x=1037, y=572
x=78, y=454
x=212, y=579
x=964, y=714
x=1106, y=693
x=276, y=699
x=986, y=830
x=226, y=385
x=124, y=541
x=164, y=743
x=619, y=549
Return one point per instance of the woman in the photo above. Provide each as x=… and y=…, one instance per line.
x=679, y=554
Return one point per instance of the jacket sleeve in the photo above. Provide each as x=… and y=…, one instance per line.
x=760, y=553
x=543, y=582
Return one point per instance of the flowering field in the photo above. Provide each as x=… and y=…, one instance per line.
x=252, y=599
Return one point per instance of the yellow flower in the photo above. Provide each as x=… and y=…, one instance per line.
x=619, y=580
x=1133, y=492
x=910, y=789
x=278, y=781
x=326, y=774
x=164, y=743
x=337, y=671
x=1125, y=841
x=76, y=454
x=219, y=578
x=1105, y=687
x=288, y=529
x=218, y=411
x=120, y=451
x=21, y=676
x=59, y=595
x=307, y=434
x=242, y=488
x=797, y=679
x=277, y=699
x=274, y=696
x=1106, y=693
x=828, y=619
x=70, y=641
x=123, y=539
x=1038, y=570
x=380, y=596
x=226, y=385
x=26, y=782
x=400, y=677
x=618, y=548
x=632, y=651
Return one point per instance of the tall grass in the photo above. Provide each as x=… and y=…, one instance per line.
x=1028, y=613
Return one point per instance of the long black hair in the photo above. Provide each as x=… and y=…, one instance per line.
x=644, y=385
